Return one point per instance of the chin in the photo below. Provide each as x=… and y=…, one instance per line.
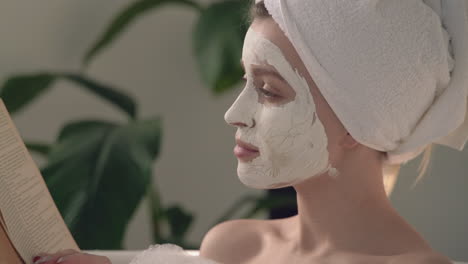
x=255, y=182
x=249, y=182
x=258, y=175
x=280, y=185
x=260, y=180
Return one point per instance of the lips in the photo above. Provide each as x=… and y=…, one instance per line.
x=244, y=151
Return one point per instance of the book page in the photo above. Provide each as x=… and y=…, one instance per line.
x=32, y=221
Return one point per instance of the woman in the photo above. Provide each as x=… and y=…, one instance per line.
x=344, y=213
x=326, y=114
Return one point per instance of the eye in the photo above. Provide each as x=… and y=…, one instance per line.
x=267, y=93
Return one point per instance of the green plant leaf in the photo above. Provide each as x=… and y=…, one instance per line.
x=97, y=174
x=217, y=40
x=179, y=222
x=38, y=147
x=118, y=98
x=123, y=20
x=19, y=90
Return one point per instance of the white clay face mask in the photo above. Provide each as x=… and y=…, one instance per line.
x=290, y=138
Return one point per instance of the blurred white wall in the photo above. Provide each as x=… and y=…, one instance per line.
x=153, y=61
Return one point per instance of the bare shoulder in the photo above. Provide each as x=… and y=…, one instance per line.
x=234, y=241
x=423, y=257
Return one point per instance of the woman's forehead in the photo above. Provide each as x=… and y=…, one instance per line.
x=268, y=29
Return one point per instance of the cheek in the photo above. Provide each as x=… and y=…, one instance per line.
x=272, y=120
x=290, y=126
x=276, y=126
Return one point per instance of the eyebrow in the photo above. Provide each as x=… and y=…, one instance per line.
x=265, y=71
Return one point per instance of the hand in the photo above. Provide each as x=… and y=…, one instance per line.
x=70, y=256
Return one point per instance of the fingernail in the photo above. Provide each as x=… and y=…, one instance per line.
x=43, y=259
x=60, y=260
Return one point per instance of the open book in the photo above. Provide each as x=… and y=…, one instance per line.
x=30, y=223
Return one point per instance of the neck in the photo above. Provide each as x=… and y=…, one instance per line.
x=349, y=212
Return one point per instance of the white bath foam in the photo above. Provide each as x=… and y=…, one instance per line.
x=168, y=254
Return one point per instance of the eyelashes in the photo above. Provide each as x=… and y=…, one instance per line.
x=262, y=88
x=266, y=93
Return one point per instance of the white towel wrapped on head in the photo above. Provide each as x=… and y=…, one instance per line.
x=395, y=72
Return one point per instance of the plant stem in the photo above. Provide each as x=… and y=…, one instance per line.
x=155, y=211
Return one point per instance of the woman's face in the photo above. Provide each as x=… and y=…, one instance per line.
x=280, y=137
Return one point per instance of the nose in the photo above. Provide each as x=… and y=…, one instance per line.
x=242, y=111
x=240, y=124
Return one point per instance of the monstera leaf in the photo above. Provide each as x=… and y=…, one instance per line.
x=217, y=43
x=114, y=96
x=97, y=173
x=124, y=18
x=217, y=37
x=20, y=90
x=38, y=147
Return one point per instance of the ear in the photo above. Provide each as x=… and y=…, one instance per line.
x=348, y=141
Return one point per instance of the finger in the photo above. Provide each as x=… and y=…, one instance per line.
x=66, y=252
x=44, y=258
